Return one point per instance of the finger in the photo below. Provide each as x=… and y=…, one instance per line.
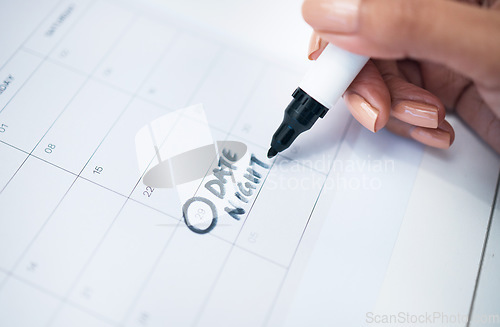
x=493, y=4
x=473, y=111
x=459, y=35
x=411, y=71
x=443, y=82
x=411, y=103
x=368, y=99
x=316, y=46
x=441, y=137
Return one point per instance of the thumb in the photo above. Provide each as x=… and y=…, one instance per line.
x=458, y=35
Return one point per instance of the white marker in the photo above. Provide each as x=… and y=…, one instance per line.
x=318, y=92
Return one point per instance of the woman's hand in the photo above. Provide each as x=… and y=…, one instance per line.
x=432, y=56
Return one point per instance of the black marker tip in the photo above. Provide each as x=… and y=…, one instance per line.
x=271, y=153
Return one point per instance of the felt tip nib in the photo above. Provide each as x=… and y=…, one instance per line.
x=271, y=153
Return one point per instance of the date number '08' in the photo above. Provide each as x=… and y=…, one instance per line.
x=50, y=148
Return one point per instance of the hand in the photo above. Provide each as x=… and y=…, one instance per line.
x=433, y=56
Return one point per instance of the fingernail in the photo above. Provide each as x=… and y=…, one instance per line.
x=362, y=110
x=333, y=15
x=416, y=113
x=314, y=45
x=445, y=126
x=436, y=138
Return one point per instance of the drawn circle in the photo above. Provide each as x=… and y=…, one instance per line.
x=185, y=214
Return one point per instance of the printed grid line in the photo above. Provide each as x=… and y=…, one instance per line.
x=53, y=123
x=94, y=252
x=221, y=269
x=71, y=288
x=23, y=45
x=30, y=154
x=496, y=195
x=31, y=75
x=344, y=134
x=176, y=225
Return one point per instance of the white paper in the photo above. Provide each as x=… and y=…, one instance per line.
x=98, y=92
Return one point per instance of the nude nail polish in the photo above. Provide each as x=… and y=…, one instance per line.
x=314, y=45
x=437, y=138
x=416, y=113
x=362, y=110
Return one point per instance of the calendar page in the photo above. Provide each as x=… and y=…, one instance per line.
x=135, y=188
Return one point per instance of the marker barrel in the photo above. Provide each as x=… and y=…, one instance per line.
x=331, y=74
